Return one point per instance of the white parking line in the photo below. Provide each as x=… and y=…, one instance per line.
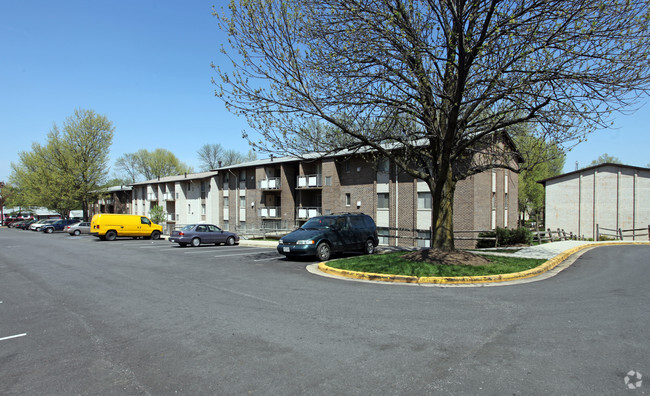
x=13, y=336
x=238, y=254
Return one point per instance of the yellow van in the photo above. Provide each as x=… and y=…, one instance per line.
x=108, y=226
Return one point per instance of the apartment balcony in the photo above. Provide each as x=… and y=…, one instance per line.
x=171, y=217
x=152, y=197
x=270, y=212
x=169, y=196
x=310, y=181
x=306, y=213
x=106, y=201
x=272, y=183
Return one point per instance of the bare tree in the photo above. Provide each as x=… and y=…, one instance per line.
x=443, y=81
x=209, y=156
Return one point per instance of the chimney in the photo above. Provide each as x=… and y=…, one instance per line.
x=219, y=164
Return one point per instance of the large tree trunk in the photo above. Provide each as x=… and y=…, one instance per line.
x=442, y=213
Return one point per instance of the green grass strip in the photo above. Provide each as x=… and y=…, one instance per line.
x=394, y=264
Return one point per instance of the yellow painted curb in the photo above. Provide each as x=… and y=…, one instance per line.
x=542, y=268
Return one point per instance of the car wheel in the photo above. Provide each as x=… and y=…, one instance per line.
x=196, y=242
x=323, y=251
x=49, y=230
x=369, y=247
x=77, y=232
x=155, y=235
x=230, y=241
x=111, y=235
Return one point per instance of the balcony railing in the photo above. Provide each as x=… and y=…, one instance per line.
x=310, y=181
x=270, y=212
x=169, y=196
x=171, y=217
x=306, y=213
x=272, y=183
x=152, y=197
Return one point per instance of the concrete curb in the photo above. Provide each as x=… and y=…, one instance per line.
x=544, y=267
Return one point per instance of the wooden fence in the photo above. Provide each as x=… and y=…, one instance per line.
x=621, y=234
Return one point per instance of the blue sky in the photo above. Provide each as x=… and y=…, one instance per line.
x=146, y=66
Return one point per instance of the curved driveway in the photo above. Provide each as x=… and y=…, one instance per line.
x=147, y=317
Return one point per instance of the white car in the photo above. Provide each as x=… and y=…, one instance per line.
x=39, y=224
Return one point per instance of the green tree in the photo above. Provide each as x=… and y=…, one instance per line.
x=541, y=161
x=157, y=214
x=66, y=172
x=605, y=159
x=440, y=80
x=150, y=165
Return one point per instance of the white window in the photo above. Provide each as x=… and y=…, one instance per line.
x=189, y=208
x=226, y=201
x=203, y=209
x=328, y=180
x=424, y=239
x=382, y=201
x=383, y=165
x=348, y=199
x=383, y=234
x=424, y=200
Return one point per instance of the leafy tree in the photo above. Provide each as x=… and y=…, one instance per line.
x=440, y=80
x=157, y=214
x=541, y=161
x=150, y=165
x=65, y=173
x=605, y=159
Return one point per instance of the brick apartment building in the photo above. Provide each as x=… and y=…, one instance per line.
x=282, y=193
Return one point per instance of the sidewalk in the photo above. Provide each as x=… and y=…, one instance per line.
x=549, y=250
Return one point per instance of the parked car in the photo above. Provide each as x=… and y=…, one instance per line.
x=24, y=225
x=197, y=234
x=37, y=225
x=58, y=225
x=323, y=235
x=78, y=228
x=108, y=226
x=17, y=224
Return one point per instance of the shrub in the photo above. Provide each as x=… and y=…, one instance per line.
x=505, y=237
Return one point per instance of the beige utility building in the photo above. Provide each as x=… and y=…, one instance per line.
x=608, y=196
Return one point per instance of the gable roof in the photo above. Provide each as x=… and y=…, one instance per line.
x=589, y=168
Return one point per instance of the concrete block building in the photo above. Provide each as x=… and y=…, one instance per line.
x=282, y=193
x=610, y=196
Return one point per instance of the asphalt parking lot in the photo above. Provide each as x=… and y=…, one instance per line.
x=82, y=316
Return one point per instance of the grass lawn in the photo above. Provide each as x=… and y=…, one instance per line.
x=394, y=264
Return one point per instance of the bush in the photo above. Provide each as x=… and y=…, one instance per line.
x=505, y=237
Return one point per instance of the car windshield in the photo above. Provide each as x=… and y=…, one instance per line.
x=188, y=227
x=319, y=223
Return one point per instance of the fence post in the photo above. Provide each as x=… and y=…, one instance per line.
x=620, y=233
x=597, y=232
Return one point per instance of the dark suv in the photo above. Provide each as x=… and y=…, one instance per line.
x=58, y=225
x=323, y=235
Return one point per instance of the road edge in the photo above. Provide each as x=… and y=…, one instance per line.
x=459, y=280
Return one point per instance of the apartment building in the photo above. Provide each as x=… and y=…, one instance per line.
x=282, y=193
x=117, y=200
x=185, y=198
